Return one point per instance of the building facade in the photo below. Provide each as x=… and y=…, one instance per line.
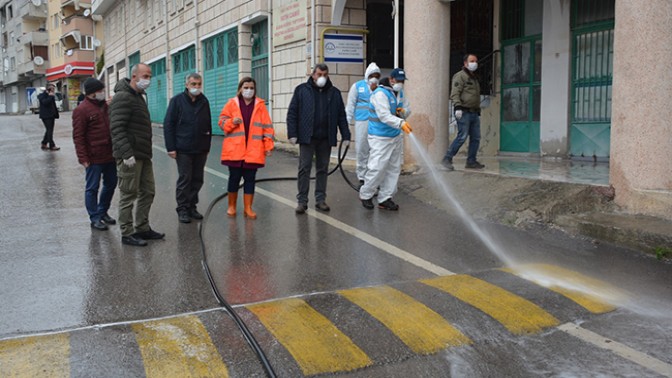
x=549, y=69
x=23, y=53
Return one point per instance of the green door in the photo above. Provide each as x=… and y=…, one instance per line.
x=521, y=96
x=521, y=75
x=592, y=73
x=157, y=92
x=260, y=58
x=133, y=59
x=184, y=63
x=220, y=72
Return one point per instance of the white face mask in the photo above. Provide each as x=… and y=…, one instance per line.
x=195, y=91
x=472, y=66
x=143, y=84
x=248, y=93
x=373, y=81
x=397, y=87
x=321, y=81
x=100, y=96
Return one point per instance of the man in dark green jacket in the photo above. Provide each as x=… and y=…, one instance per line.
x=131, y=130
x=465, y=95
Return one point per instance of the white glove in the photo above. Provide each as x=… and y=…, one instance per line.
x=346, y=143
x=292, y=140
x=130, y=162
x=458, y=114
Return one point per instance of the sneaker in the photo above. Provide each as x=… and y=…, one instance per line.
x=322, y=206
x=98, y=225
x=149, y=235
x=108, y=219
x=183, y=216
x=195, y=214
x=54, y=148
x=301, y=208
x=388, y=204
x=474, y=165
x=367, y=203
x=133, y=240
x=447, y=164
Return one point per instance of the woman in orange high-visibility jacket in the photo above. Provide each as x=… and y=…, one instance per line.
x=248, y=139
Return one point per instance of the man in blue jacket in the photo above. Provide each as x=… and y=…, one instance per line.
x=188, y=133
x=316, y=113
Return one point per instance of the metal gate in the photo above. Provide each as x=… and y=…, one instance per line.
x=184, y=63
x=592, y=73
x=220, y=72
x=260, y=58
x=521, y=75
x=157, y=100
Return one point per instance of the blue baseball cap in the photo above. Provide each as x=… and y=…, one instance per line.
x=398, y=74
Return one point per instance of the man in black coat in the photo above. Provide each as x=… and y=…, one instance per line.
x=187, y=132
x=48, y=115
x=316, y=113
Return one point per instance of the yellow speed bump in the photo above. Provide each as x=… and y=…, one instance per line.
x=178, y=347
x=572, y=285
x=315, y=343
x=517, y=314
x=421, y=329
x=38, y=356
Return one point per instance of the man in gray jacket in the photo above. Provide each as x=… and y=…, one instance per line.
x=465, y=94
x=131, y=130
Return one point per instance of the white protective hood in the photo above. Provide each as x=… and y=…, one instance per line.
x=371, y=69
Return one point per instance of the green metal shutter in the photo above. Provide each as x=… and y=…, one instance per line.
x=184, y=63
x=133, y=59
x=260, y=59
x=592, y=73
x=220, y=72
x=157, y=99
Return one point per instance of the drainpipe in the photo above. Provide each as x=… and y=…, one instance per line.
x=197, y=24
x=396, y=33
x=270, y=57
x=313, y=35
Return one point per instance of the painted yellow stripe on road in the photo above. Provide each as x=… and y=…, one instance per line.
x=517, y=314
x=39, y=356
x=315, y=343
x=421, y=329
x=572, y=285
x=178, y=347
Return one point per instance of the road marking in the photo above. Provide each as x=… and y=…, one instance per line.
x=517, y=314
x=372, y=240
x=178, y=347
x=421, y=329
x=315, y=343
x=36, y=356
x=622, y=350
x=573, y=285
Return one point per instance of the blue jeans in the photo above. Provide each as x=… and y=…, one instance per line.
x=467, y=126
x=94, y=206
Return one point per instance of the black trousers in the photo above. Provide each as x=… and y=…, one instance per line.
x=49, y=132
x=247, y=174
x=321, y=149
x=190, y=168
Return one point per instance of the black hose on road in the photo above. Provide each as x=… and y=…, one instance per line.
x=249, y=337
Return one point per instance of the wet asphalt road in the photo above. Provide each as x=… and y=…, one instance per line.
x=111, y=301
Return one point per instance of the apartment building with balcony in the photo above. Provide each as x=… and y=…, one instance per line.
x=24, y=53
x=74, y=38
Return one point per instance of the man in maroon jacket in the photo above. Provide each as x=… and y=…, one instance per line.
x=93, y=143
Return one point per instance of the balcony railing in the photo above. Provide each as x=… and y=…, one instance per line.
x=30, y=12
x=83, y=24
x=35, y=38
